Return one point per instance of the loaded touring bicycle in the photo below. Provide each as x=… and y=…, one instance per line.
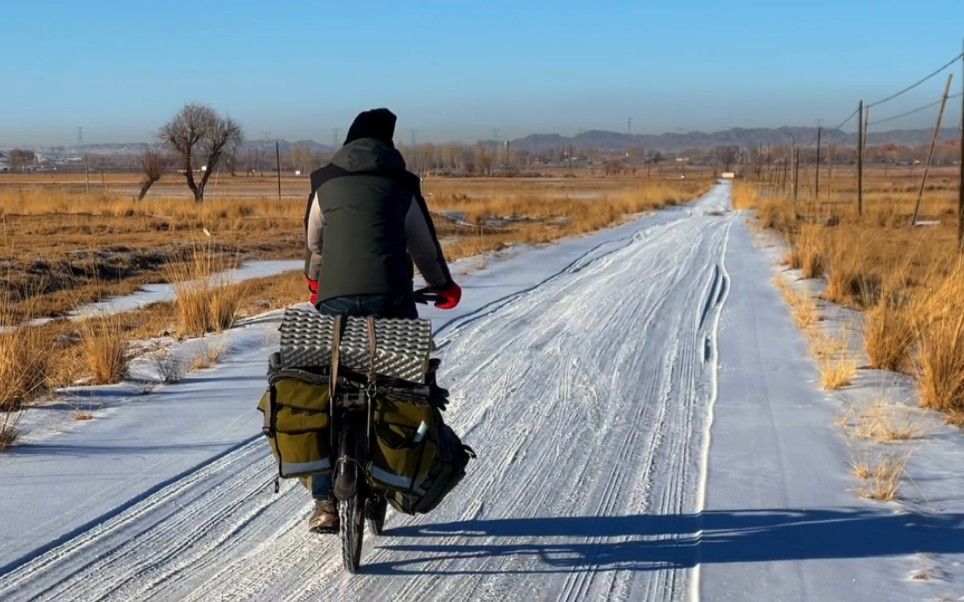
x=356, y=397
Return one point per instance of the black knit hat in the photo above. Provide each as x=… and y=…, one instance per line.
x=376, y=123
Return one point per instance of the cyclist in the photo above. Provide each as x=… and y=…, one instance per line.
x=365, y=224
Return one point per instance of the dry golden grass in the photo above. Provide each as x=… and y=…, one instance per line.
x=888, y=336
x=880, y=423
x=846, y=418
x=941, y=363
x=802, y=307
x=89, y=246
x=792, y=258
x=169, y=214
x=206, y=301
x=825, y=346
x=24, y=363
x=886, y=473
x=866, y=424
x=24, y=368
x=53, y=353
x=170, y=367
x=810, y=251
x=208, y=355
x=909, y=280
x=103, y=244
x=805, y=312
x=882, y=471
x=105, y=348
x=903, y=430
x=745, y=197
x=9, y=428
x=837, y=373
x=530, y=219
x=861, y=467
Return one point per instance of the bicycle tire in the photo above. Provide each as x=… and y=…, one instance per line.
x=351, y=524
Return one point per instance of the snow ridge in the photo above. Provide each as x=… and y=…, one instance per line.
x=719, y=301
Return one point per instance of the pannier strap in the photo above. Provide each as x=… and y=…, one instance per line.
x=267, y=428
x=372, y=349
x=335, y=346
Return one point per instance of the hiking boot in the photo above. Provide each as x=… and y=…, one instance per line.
x=325, y=517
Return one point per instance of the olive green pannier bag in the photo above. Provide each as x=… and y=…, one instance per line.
x=413, y=456
x=296, y=422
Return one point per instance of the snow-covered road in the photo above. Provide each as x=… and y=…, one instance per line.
x=588, y=385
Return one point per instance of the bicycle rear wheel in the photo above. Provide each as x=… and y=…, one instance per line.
x=351, y=523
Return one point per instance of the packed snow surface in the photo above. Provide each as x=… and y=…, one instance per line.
x=646, y=426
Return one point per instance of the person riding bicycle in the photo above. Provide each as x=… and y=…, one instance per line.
x=365, y=224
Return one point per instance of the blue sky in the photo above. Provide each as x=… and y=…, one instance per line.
x=457, y=70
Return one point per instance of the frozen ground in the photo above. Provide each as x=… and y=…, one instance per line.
x=647, y=426
x=156, y=293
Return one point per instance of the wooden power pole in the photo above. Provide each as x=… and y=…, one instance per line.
x=860, y=158
x=930, y=153
x=960, y=190
x=816, y=187
x=277, y=155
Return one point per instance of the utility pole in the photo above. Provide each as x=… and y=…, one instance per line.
x=930, y=153
x=768, y=162
x=796, y=174
x=334, y=136
x=830, y=168
x=411, y=133
x=960, y=200
x=629, y=126
x=277, y=154
x=860, y=158
x=817, y=184
x=87, y=171
x=793, y=165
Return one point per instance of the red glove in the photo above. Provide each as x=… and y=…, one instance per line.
x=450, y=296
x=313, y=289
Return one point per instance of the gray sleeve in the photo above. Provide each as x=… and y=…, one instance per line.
x=424, y=248
x=314, y=236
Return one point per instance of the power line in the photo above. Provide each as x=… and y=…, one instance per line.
x=846, y=121
x=911, y=87
x=917, y=110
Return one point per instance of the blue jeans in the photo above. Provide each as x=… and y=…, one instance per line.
x=382, y=306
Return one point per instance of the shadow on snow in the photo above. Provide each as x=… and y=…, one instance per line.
x=643, y=543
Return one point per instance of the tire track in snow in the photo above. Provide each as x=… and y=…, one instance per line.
x=69, y=551
x=713, y=357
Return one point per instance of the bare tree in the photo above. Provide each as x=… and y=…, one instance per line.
x=21, y=159
x=153, y=164
x=231, y=160
x=199, y=135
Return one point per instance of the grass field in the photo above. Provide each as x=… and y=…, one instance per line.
x=63, y=247
x=908, y=280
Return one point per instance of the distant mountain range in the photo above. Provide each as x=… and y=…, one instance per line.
x=609, y=141
x=741, y=137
